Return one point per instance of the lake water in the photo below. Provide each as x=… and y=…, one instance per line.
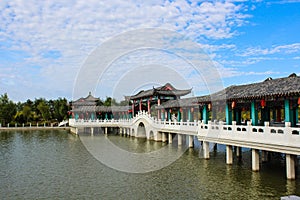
x=55, y=164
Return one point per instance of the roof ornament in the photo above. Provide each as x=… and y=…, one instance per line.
x=268, y=79
x=292, y=75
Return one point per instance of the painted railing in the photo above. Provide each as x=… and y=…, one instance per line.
x=163, y=126
x=281, y=139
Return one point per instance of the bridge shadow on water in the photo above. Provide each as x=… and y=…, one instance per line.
x=217, y=179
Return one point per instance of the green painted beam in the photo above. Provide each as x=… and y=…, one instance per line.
x=205, y=114
x=287, y=112
x=228, y=115
x=254, y=114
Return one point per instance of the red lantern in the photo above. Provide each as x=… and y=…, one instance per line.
x=263, y=103
x=180, y=109
x=233, y=105
x=299, y=101
x=170, y=110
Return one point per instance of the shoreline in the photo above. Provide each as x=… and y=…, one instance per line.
x=34, y=128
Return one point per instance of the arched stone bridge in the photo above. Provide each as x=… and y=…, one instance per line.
x=261, y=139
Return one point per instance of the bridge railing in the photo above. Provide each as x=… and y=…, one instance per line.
x=83, y=122
x=286, y=136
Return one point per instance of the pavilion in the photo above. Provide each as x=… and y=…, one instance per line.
x=274, y=100
x=145, y=100
x=88, y=109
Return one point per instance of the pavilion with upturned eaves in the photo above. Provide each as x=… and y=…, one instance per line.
x=274, y=100
x=87, y=109
x=147, y=99
x=84, y=108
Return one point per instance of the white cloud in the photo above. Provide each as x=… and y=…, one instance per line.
x=227, y=72
x=257, y=51
x=75, y=28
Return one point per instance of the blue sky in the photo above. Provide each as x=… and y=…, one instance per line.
x=44, y=44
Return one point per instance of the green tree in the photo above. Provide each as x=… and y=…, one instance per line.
x=125, y=103
x=110, y=102
x=44, y=110
x=7, y=109
x=27, y=114
x=60, y=109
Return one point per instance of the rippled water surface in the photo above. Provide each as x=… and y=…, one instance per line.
x=56, y=165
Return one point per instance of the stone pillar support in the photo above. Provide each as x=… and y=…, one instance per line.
x=105, y=130
x=179, y=137
x=170, y=138
x=229, y=155
x=255, y=160
x=164, y=138
x=290, y=166
x=92, y=131
x=191, y=141
x=206, y=150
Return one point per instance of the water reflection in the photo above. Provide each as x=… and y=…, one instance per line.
x=56, y=165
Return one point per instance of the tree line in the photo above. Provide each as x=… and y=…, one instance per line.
x=41, y=110
x=37, y=111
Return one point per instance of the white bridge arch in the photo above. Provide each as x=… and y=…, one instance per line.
x=259, y=138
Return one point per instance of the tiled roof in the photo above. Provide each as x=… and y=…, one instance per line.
x=101, y=109
x=280, y=87
x=165, y=90
x=89, y=100
x=288, y=86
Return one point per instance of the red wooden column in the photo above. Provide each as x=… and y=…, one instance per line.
x=140, y=105
x=278, y=114
x=133, y=108
x=158, y=111
x=148, y=104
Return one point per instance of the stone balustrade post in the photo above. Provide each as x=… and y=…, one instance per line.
x=221, y=123
x=209, y=124
x=267, y=125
